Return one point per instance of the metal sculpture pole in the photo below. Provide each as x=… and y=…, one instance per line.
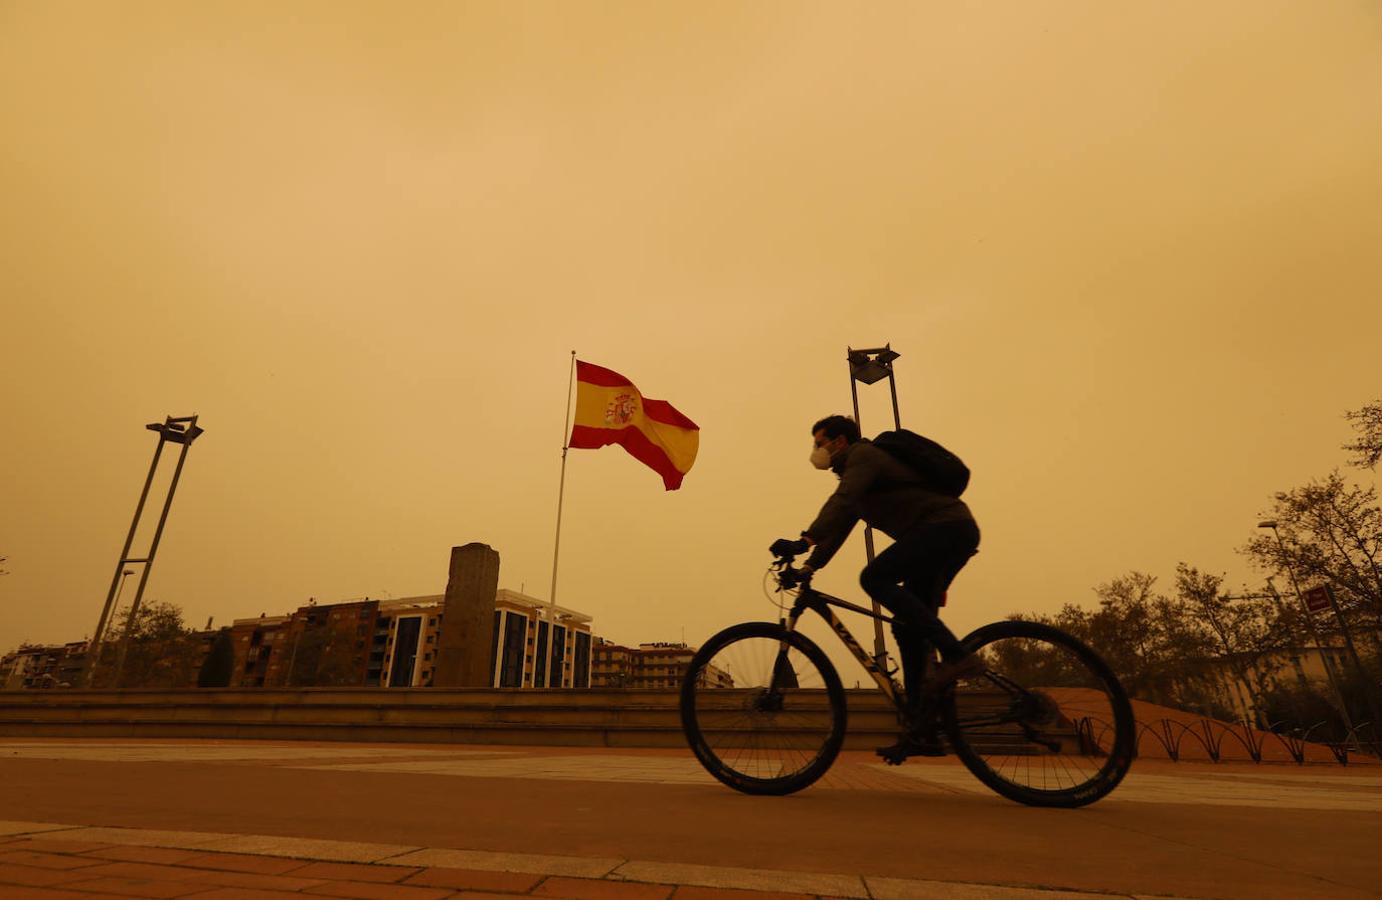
x=870, y=366
x=178, y=430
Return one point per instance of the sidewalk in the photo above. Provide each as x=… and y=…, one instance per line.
x=45, y=860
x=211, y=819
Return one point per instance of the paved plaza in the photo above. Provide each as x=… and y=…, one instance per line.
x=254, y=819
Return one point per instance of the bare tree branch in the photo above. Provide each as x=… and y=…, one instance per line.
x=1367, y=422
x=1331, y=531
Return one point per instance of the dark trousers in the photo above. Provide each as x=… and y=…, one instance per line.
x=909, y=579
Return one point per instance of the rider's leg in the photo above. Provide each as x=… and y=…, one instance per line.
x=912, y=647
x=907, y=579
x=919, y=734
x=928, y=555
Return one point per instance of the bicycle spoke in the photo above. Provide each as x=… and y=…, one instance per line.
x=777, y=725
x=1019, y=726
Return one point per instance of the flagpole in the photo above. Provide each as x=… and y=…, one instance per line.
x=556, y=549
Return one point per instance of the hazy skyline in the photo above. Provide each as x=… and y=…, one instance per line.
x=1129, y=254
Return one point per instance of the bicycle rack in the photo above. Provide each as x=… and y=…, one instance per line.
x=1091, y=743
x=1172, y=748
x=1247, y=739
x=1294, y=741
x=1211, y=736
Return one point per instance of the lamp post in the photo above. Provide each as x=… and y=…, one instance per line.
x=869, y=367
x=1310, y=623
x=182, y=430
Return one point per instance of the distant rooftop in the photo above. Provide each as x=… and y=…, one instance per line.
x=397, y=605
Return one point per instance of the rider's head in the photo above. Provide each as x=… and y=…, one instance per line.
x=832, y=435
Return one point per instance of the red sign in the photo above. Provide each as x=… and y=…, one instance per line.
x=1317, y=599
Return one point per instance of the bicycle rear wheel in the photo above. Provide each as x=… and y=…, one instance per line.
x=1048, y=724
x=763, y=710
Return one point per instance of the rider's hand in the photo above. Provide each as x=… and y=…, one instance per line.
x=788, y=547
x=805, y=572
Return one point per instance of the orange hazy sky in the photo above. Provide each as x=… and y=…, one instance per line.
x=1129, y=254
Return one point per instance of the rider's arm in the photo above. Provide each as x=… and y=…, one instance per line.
x=837, y=517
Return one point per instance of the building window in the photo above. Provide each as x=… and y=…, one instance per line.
x=582, y=674
x=515, y=632
x=558, y=655
x=540, y=667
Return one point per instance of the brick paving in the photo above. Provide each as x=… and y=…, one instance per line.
x=88, y=871
x=116, y=819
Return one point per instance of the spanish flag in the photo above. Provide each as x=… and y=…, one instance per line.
x=610, y=410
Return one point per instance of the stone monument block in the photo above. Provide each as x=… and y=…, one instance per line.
x=465, y=647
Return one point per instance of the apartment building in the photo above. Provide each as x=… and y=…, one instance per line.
x=47, y=666
x=393, y=643
x=537, y=645
x=654, y=665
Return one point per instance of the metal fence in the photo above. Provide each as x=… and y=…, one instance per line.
x=1213, y=737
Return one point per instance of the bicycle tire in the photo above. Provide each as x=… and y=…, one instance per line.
x=1038, y=722
x=749, y=747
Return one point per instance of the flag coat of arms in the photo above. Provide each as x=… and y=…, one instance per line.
x=610, y=410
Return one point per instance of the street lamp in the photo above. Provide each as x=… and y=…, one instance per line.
x=181, y=430
x=871, y=366
x=1310, y=622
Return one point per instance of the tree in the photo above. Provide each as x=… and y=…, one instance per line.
x=1140, y=634
x=1148, y=639
x=1184, y=651
x=1243, y=633
x=160, y=651
x=1123, y=629
x=1331, y=532
x=1368, y=423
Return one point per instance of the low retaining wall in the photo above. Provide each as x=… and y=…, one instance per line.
x=594, y=717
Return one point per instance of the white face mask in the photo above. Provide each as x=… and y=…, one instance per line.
x=820, y=458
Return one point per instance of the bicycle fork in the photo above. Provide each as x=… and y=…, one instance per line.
x=784, y=676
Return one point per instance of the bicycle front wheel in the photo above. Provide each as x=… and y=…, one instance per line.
x=763, y=709
x=1048, y=724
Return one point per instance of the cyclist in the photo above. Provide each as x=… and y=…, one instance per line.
x=933, y=534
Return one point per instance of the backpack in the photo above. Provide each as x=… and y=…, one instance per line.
x=939, y=469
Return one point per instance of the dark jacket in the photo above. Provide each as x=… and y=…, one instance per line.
x=883, y=491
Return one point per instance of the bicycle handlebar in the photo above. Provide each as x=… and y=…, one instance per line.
x=785, y=551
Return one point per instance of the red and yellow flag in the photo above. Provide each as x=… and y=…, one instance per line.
x=610, y=410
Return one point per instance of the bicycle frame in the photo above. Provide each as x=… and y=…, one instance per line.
x=820, y=603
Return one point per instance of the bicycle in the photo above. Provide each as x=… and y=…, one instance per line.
x=1047, y=723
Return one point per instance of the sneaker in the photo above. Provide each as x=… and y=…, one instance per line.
x=911, y=745
x=949, y=672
